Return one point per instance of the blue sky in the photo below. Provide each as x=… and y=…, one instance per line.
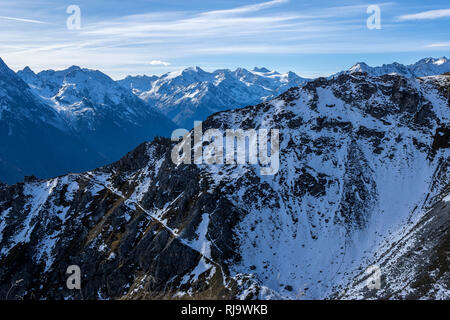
x=311, y=38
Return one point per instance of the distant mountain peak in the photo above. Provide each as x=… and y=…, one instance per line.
x=26, y=72
x=181, y=72
x=5, y=71
x=441, y=60
x=261, y=70
x=27, y=69
x=436, y=61
x=359, y=67
x=362, y=63
x=74, y=67
x=27, y=75
x=191, y=70
x=3, y=66
x=424, y=67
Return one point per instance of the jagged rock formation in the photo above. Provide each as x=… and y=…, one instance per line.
x=362, y=162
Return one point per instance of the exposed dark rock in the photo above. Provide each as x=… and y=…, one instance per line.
x=145, y=228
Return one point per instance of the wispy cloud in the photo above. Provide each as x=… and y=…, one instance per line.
x=160, y=63
x=23, y=20
x=439, y=45
x=155, y=41
x=247, y=9
x=201, y=25
x=426, y=15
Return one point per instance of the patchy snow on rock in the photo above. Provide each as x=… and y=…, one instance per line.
x=360, y=182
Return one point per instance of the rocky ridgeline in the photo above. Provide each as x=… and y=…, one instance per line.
x=361, y=160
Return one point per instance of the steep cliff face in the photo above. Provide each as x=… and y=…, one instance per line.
x=362, y=160
x=414, y=264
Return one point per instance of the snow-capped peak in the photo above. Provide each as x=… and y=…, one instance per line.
x=359, y=67
x=422, y=68
x=441, y=60
x=194, y=69
x=431, y=60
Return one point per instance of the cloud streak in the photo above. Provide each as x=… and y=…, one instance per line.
x=247, y=9
x=439, y=45
x=146, y=41
x=426, y=15
x=23, y=20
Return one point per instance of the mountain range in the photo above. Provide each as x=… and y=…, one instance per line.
x=76, y=119
x=34, y=139
x=72, y=120
x=193, y=94
x=422, y=68
x=363, y=182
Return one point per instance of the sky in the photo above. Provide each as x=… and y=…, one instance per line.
x=312, y=38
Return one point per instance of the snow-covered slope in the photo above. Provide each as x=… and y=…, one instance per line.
x=194, y=94
x=361, y=160
x=422, y=68
x=417, y=261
